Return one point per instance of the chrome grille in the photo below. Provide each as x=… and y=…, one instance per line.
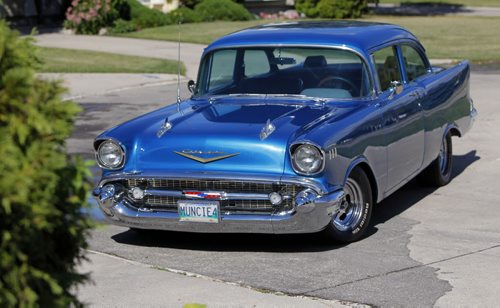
x=212, y=185
x=169, y=203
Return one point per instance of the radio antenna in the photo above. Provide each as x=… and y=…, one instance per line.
x=179, y=68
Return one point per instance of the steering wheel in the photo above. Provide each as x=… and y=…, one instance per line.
x=331, y=80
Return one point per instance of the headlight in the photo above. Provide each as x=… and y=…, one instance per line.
x=110, y=154
x=307, y=159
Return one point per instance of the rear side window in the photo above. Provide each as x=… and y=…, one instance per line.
x=414, y=63
x=386, y=61
x=222, y=69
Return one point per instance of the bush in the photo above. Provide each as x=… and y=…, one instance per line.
x=211, y=10
x=332, y=8
x=89, y=16
x=189, y=3
x=184, y=15
x=144, y=17
x=123, y=26
x=308, y=7
x=42, y=190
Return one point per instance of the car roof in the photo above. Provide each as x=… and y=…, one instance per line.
x=362, y=36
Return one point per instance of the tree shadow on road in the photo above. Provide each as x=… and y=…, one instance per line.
x=422, y=8
x=394, y=205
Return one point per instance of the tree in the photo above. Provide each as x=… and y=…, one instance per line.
x=42, y=189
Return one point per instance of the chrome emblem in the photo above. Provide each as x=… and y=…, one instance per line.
x=202, y=195
x=267, y=130
x=205, y=156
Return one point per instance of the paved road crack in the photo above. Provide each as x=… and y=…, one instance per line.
x=401, y=270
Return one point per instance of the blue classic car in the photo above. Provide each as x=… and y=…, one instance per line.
x=291, y=128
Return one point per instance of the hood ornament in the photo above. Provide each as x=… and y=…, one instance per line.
x=204, y=160
x=166, y=126
x=267, y=130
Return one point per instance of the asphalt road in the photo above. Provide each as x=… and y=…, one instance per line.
x=425, y=247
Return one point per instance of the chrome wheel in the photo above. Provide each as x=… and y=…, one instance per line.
x=438, y=173
x=353, y=219
x=443, y=156
x=351, y=210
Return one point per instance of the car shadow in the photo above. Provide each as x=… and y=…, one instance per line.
x=394, y=205
x=422, y=8
x=412, y=192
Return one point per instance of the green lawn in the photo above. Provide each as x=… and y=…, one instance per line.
x=454, y=37
x=58, y=60
x=445, y=37
x=460, y=2
x=202, y=33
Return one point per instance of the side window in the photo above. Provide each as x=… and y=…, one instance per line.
x=387, y=65
x=256, y=63
x=222, y=68
x=414, y=64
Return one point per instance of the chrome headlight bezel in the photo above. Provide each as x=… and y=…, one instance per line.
x=118, y=146
x=296, y=166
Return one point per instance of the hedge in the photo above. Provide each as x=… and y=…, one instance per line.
x=42, y=189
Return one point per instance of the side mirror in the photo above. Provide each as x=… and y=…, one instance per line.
x=191, y=86
x=395, y=88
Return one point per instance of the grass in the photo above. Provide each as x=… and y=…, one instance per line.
x=454, y=37
x=445, y=37
x=492, y=3
x=201, y=33
x=57, y=60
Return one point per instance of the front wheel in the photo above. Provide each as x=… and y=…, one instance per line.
x=438, y=173
x=352, y=221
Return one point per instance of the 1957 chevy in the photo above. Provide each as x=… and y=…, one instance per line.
x=291, y=128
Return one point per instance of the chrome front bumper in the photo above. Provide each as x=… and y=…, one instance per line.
x=311, y=214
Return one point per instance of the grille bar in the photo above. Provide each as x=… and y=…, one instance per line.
x=219, y=195
x=236, y=196
x=211, y=185
x=170, y=203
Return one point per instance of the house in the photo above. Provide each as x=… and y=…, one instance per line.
x=162, y=5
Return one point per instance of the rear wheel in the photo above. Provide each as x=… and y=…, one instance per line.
x=351, y=222
x=438, y=173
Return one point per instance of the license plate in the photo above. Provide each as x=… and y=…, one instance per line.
x=198, y=211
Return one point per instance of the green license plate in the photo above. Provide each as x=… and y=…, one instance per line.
x=198, y=211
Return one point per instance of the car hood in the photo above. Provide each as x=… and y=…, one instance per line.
x=222, y=135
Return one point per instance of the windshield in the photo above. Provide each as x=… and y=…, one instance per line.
x=313, y=72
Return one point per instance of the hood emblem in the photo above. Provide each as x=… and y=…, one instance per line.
x=205, y=159
x=165, y=127
x=267, y=130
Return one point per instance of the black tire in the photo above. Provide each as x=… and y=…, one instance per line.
x=438, y=173
x=351, y=223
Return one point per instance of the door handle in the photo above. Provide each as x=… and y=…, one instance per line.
x=415, y=94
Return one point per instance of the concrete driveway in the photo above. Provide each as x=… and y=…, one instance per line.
x=426, y=246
